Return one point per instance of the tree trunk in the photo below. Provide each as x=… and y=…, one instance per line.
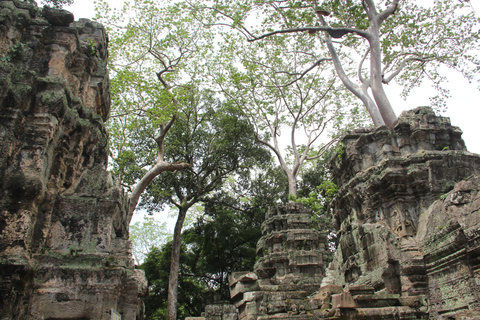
x=371, y=106
x=158, y=168
x=378, y=92
x=358, y=91
x=292, y=187
x=292, y=183
x=175, y=266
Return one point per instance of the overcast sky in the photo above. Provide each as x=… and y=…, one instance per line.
x=463, y=106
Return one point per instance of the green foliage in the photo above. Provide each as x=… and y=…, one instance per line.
x=57, y=3
x=190, y=289
x=316, y=199
x=92, y=49
x=417, y=41
x=340, y=150
x=155, y=54
x=15, y=53
x=316, y=190
x=446, y=33
x=216, y=140
x=217, y=143
x=147, y=234
x=441, y=147
x=268, y=187
x=222, y=240
x=290, y=95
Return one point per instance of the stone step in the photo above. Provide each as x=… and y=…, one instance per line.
x=376, y=300
x=285, y=316
x=382, y=313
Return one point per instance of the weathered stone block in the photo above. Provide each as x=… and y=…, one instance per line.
x=239, y=288
x=343, y=300
x=376, y=300
x=357, y=290
x=325, y=293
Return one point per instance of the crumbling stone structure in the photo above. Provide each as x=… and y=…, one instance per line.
x=291, y=266
x=408, y=221
x=407, y=216
x=64, y=248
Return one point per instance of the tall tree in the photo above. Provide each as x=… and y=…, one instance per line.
x=295, y=110
x=147, y=234
x=191, y=289
x=400, y=39
x=216, y=141
x=222, y=239
x=154, y=52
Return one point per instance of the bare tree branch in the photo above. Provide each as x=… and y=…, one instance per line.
x=334, y=32
x=390, y=10
x=360, y=66
x=402, y=65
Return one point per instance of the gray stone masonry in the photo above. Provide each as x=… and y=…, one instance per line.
x=64, y=248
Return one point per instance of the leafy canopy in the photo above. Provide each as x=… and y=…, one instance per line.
x=416, y=41
x=57, y=3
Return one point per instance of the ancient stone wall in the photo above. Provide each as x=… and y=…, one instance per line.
x=405, y=237
x=64, y=249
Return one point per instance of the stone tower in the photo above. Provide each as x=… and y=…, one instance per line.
x=291, y=265
x=408, y=221
x=64, y=248
x=291, y=251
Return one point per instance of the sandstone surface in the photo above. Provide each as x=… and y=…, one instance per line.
x=64, y=248
x=407, y=219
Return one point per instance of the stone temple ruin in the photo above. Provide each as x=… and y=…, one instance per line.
x=407, y=216
x=64, y=248
x=407, y=213
x=289, y=269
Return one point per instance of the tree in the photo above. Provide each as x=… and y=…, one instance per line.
x=147, y=234
x=222, y=239
x=216, y=141
x=57, y=3
x=316, y=189
x=401, y=39
x=219, y=242
x=157, y=269
x=296, y=112
x=153, y=53
x=155, y=50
